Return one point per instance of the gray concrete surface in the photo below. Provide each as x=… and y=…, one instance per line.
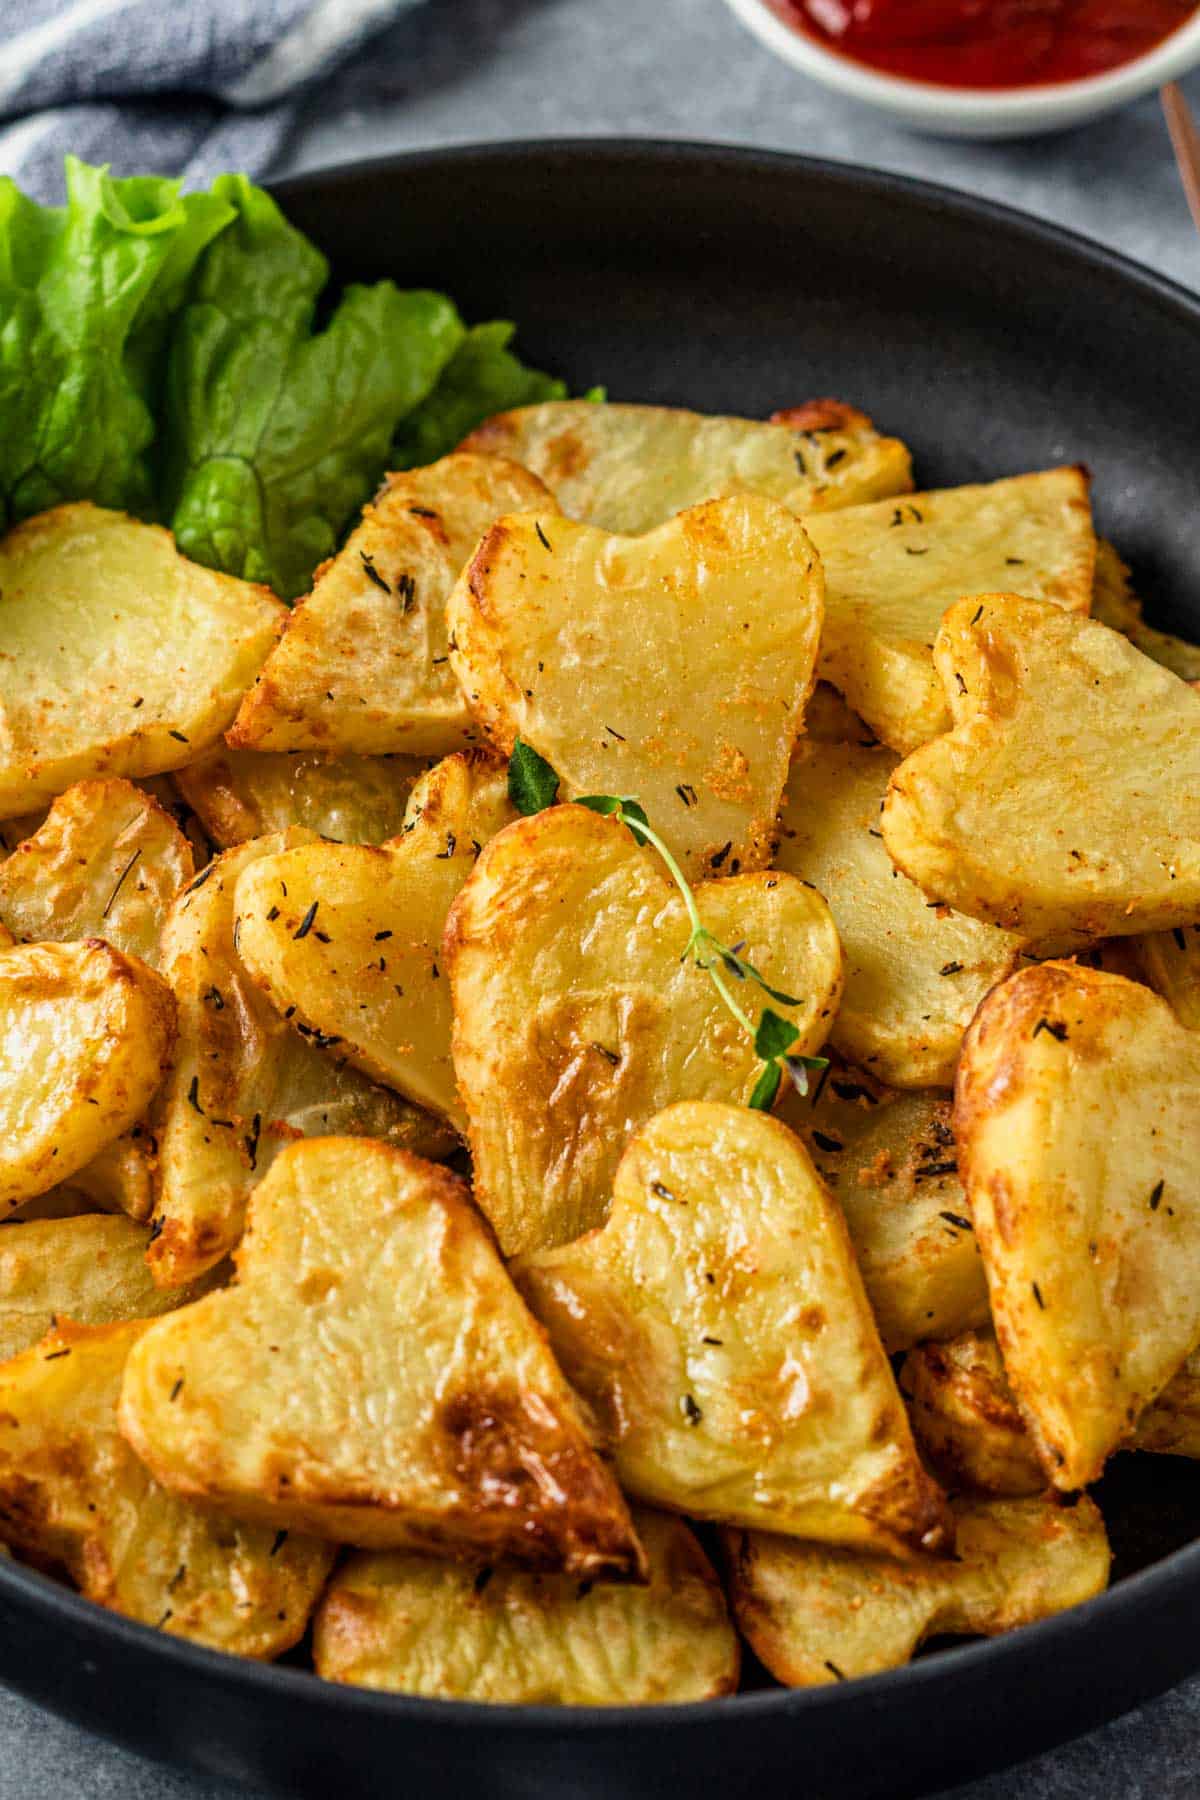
x=462, y=70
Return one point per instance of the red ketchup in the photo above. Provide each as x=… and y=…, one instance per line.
x=988, y=43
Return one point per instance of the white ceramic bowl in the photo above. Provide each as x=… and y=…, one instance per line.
x=975, y=112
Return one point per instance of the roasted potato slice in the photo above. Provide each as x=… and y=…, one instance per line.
x=1077, y=1115
x=828, y=720
x=969, y=1426
x=373, y=1377
x=577, y=1017
x=85, y=1034
x=672, y=667
x=119, y=1180
x=107, y=863
x=1115, y=604
x=90, y=1268
x=628, y=468
x=120, y=656
x=893, y=568
x=1170, y=962
x=718, y=1327
x=889, y=1160
x=367, y=972
x=240, y=794
x=814, y=1616
x=72, y=1492
x=243, y=1082
x=362, y=665
x=914, y=973
x=1067, y=797
x=467, y=1631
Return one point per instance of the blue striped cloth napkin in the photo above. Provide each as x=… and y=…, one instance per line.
x=165, y=87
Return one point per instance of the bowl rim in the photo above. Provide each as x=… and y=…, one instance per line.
x=1067, y=1634
x=934, y=100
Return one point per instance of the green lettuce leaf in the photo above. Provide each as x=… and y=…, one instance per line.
x=484, y=377
x=276, y=433
x=86, y=294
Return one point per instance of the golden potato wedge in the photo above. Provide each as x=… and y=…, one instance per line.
x=1066, y=800
x=363, y=664
x=893, y=568
x=1077, y=1115
x=119, y=1180
x=718, y=1327
x=1170, y=962
x=914, y=973
x=72, y=1492
x=577, y=1018
x=373, y=1377
x=628, y=468
x=415, y=1624
x=107, y=863
x=85, y=1034
x=240, y=794
x=1115, y=604
x=814, y=1616
x=673, y=667
x=120, y=656
x=888, y=1158
x=243, y=1082
x=367, y=971
x=966, y=1419
x=90, y=1269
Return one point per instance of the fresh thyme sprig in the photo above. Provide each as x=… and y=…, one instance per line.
x=533, y=785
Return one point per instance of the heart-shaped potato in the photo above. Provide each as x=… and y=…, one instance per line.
x=718, y=1327
x=1077, y=1115
x=966, y=1419
x=1066, y=800
x=889, y=1160
x=577, y=1015
x=107, y=862
x=72, y=1492
x=672, y=667
x=892, y=569
x=85, y=1034
x=467, y=1631
x=363, y=663
x=243, y=1081
x=627, y=468
x=120, y=656
x=240, y=794
x=815, y=1616
x=914, y=973
x=374, y=1377
x=366, y=973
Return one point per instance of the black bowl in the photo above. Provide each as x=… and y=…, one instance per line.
x=737, y=281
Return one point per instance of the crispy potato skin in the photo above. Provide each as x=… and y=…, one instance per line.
x=369, y=974
x=107, y=862
x=891, y=570
x=1066, y=800
x=914, y=974
x=467, y=1631
x=373, y=1377
x=575, y=1019
x=241, y=794
x=120, y=657
x=362, y=664
x=243, y=1082
x=888, y=1158
x=629, y=468
x=718, y=1327
x=73, y=1493
x=674, y=667
x=90, y=1269
x=1076, y=1113
x=85, y=1035
x=815, y=1616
